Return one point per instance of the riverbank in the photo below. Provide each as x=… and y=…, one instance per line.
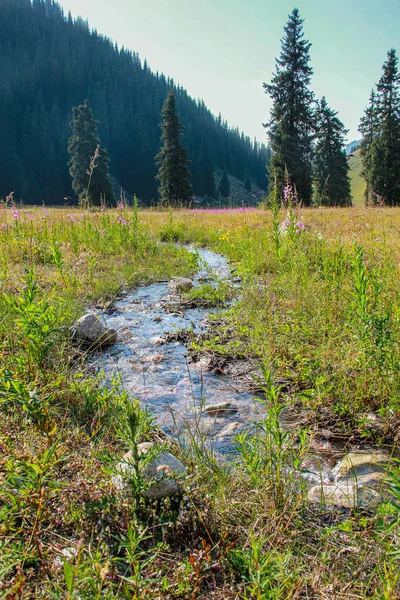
x=318, y=308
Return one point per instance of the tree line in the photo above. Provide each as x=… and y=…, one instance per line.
x=51, y=63
x=307, y=138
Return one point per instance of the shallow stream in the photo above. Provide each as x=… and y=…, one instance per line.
x=177, y=393
x=159, y=375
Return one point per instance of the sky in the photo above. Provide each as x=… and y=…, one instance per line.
x=223, y=50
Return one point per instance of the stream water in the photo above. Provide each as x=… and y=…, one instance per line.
x=159, y=375
x=177, y=393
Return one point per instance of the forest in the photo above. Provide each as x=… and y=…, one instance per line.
x=51, y=63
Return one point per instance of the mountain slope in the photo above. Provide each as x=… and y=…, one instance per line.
x=356, y=180
x=50, y=63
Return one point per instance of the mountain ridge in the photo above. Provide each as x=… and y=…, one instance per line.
x=51, y=62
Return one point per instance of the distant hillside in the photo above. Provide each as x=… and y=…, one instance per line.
x=352, y=146
x=50, y=63
x=357, y=182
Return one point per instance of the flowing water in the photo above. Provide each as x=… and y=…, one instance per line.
x=176, y=392
x=159, y=375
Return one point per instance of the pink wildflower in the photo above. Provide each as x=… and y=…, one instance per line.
x=3, y=225
x=122, y=221
x=15, y=213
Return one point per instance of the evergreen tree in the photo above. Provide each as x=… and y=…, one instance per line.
x=224, y=186
x=205, y=181
x=247, y=185
x=291, y=123
x=331, y=179
x=369, y=128
x=71, y=63
x=172, y=160
x=380, y=127
x=88, y=165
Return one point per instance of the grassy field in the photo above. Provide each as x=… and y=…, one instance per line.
x=357, y=182
x=319, y=309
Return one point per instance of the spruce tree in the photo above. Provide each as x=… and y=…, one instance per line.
x=331, y=179
x=88, y=164
x=380, y=127
x=224, y=187
x=291, y=123
x=247, y=185
x=172, y=160
x=369, y=128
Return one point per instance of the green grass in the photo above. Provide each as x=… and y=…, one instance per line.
x=357, y=182
x=319, y=311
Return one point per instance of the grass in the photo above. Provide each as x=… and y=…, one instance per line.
x=357, y=182
x=319, y=310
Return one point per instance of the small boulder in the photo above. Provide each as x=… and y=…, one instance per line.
x=90, y=331
x=162, y=472
x=361, y=462
x=345, y=494
x=221, y=408
x=177, y=285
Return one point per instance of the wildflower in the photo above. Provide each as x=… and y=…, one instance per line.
x=3, y=225
x=44, y=212
x=288, y=193
x=122, y=221
x=30, y=216
x=15, y=213
x=71, y=218
x=121, y=205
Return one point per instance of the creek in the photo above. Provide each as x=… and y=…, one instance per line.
x=159, y=374
x=177, y=393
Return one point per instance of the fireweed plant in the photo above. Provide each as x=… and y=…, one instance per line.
x=318, y=307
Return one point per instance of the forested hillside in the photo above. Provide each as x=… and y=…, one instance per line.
x=50, y=63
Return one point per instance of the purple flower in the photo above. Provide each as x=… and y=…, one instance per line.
x=15, y=213
x=122, y=221
x=243, y=209
x=3, y=225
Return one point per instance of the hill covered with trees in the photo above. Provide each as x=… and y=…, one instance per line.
x=50, y=63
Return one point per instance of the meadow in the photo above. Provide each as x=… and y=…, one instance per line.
x=318, y=309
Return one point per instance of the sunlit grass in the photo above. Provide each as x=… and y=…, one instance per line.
x=319, y=308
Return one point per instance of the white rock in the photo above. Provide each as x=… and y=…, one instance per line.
x=177, y=285
x=361, y=462
x=230, y=430
x=346, y=494
x=90, y=330
x=164, y=471
x=221, y=408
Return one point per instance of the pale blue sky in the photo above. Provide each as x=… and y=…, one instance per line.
x=223, y=50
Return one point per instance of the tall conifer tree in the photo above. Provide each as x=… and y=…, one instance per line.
x=88, y=165
x=369, y=128
x=380, y=127
x=291, y=121
x=331, y=179
x=172, y=160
